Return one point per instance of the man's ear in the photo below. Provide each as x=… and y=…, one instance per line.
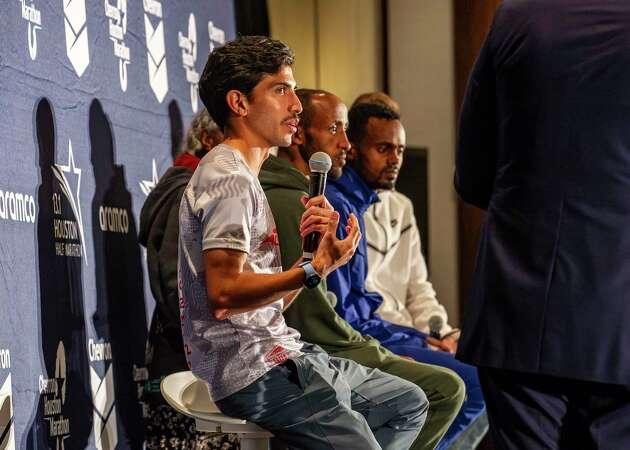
x=298, y=137
x=237, y=102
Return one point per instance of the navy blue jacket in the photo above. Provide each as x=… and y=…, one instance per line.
x=349, y=194
x=544, y=148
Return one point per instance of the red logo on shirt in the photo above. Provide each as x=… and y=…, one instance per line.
x=272, y=239
x=277, y=355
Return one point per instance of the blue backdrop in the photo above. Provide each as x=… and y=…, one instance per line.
x=94, y=98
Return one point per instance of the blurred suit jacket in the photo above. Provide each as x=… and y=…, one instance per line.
x=544, y=148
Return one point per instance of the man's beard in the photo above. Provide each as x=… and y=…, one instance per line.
x=385, y=183
x=377, y=184
x=334, y=172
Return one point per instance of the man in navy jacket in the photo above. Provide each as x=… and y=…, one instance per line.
x=544, y=148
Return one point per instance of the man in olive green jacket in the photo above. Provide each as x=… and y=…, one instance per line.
x=284, y=179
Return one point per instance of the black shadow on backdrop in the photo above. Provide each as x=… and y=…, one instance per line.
x=177, y=127
x=62, y=317
x=120, y=316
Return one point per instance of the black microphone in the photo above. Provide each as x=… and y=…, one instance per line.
x=320, y=164
x=436, y=323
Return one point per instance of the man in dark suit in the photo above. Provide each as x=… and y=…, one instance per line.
x=544, y=148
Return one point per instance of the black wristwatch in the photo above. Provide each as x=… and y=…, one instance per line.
x=312, y=278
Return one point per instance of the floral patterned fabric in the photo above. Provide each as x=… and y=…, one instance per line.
x=168, y=429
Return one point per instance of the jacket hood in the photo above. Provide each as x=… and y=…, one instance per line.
x=279, y=173
x=169, y=183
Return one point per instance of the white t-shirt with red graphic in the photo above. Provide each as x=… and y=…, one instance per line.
x=224, y=207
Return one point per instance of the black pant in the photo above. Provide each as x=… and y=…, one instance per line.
x=540, y=412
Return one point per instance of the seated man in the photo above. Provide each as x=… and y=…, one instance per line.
x=397, y=271
x=233, y=290
x=378, y=141
x=322, y=127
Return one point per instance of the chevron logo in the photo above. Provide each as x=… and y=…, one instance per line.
x=7, y=431
x=105, y=428
x=156, y=49
x=76, y=34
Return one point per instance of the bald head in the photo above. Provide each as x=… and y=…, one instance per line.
x=309, y=99
x=322, y=127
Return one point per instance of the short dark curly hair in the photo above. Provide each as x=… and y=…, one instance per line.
x=359, y=115
x=239, y=65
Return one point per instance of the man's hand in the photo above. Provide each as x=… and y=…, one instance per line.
x=333, y=252
x=446, y=344
x=449, y=343
x=317, y=215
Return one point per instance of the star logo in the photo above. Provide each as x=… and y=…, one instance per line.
x=60, y=172
x=147, y=185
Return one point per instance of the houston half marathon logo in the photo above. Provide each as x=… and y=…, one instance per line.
x=69, y=236
x=117, y=15
x=103, y=396
x=33, y=17
x=7, y=428
x=75, y=21
x=53, y=394
x=156, y=49
x=216, y=36
x=188, y=44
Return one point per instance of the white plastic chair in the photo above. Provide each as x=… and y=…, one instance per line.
x=189, y=395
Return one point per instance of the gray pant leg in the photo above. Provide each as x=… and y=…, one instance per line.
x=313, y=413
x=395, y=409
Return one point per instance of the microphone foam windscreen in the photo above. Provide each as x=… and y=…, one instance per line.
x=435, y=324
x=320, y=162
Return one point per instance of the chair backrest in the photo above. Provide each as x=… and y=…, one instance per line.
x=187, y=394
x=196, y=397
x=190, y=396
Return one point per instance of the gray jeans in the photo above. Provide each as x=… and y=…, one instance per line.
x=322, y=402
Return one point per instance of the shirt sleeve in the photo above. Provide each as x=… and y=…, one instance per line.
x=226, y=206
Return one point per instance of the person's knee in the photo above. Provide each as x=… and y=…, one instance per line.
x=416, y=406
x=452, y=389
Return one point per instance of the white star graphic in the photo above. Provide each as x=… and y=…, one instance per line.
x=75, y=202
x=147, y=185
